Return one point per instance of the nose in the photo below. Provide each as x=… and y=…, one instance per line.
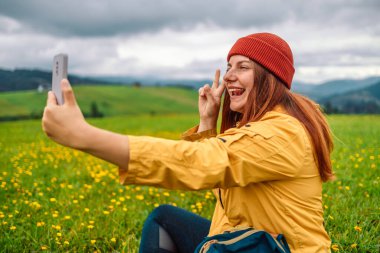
x=229, y=76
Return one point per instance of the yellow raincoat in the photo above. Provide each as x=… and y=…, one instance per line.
x=263, y=175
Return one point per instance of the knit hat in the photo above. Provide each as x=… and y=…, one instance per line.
x=268, y=50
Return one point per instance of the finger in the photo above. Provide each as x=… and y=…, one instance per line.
x=51, y=99
x=220, y=89
x=215, y=84
x=68, y=93
x=200, y=91
x=208, y=93
x=206, y=88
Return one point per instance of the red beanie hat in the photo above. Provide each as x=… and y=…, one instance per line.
x=268, y=50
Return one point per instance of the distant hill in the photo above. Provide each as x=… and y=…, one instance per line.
x=29, y=79
x=26, y=79
x=365, y=100
x=153, y=81
x=333, y=87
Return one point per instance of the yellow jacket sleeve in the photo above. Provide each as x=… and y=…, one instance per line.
x=261, y=151
x=193, y=135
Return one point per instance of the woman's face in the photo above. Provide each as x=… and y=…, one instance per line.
x=239, y=80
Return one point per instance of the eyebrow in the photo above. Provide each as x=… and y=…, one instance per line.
x=240, y=62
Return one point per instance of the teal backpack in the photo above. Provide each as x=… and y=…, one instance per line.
x=243, y=241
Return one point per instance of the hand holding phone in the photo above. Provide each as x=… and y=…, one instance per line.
x=59, y=72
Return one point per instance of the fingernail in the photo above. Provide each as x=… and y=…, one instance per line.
x=65, y=83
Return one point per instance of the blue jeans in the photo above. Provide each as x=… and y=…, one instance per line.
x=170, y=229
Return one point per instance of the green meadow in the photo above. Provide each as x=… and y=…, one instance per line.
x=55, y=199
x=109, y=100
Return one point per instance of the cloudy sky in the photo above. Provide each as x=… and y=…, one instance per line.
x=188, y=38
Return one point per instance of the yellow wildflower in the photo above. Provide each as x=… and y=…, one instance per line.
x=335, y=247
x=140, y=197
x=43, y=247
x=357, y=228
x=12, y=228
x=354, y=245
x=40, y=224
x=113, y=239
x=53, y=200
x=93, y=241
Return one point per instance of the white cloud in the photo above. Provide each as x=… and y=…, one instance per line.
x=316, y=75
x=188, y=39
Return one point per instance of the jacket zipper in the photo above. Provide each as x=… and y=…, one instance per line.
x=220, y=198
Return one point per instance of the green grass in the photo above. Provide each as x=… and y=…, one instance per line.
x=110, y=100
x=56, y=199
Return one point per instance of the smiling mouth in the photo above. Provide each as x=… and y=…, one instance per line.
x=235, y=92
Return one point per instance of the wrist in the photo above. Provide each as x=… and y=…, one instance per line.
x=206, y=124
x=82, y=141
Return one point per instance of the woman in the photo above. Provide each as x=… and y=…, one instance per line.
x=266, y=167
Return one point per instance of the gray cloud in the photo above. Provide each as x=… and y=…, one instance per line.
x=188, y=38
x=105, y=18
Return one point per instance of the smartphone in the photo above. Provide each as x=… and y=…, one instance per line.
x=60, y=63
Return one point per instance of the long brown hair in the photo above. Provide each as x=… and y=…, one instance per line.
x=268, y=92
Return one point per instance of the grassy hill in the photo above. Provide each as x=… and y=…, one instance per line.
x=364, y=101
x=108, y=100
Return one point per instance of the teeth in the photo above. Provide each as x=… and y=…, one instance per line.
x=236, y=91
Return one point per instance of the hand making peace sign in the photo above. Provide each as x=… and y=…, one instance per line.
x=209, y=103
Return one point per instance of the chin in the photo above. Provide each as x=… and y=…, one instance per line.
x=236, y=108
